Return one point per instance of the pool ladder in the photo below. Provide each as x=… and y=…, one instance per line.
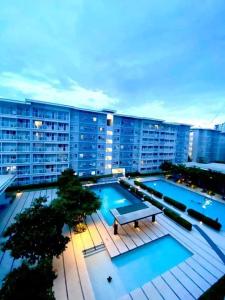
x=93, y=250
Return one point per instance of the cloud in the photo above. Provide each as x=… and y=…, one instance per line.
x=49, y=89
x=199, y=115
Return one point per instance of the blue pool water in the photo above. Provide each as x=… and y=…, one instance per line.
x=112, y=196
x=133, y=268
x=191, y=199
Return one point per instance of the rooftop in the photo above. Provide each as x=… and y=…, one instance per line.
x=103, y=111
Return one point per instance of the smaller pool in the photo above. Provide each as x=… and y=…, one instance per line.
x=113, y=196
x=133, y=268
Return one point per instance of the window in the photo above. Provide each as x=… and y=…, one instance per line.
x=109, y=132
x=94, y=119
x=37, y=124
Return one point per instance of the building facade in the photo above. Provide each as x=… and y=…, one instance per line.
x=38, y=140
x=220, y=127
x=207, y=145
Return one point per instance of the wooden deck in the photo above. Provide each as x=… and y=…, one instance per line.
x=188, y=280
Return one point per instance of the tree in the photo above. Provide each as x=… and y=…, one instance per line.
x=75, y=203
x=67, y=177
x=29, y=283
x=166, y=166
x=36, y=233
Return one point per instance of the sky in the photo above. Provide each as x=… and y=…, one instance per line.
x=158, y=59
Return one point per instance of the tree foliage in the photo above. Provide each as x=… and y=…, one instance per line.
x=206, y=179
x=67, y=177
x=29, y=283
x=74, y=201
x=36, y=233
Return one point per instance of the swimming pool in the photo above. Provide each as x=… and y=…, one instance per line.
x=133, y=268
x=205, y=205
x=112, y=196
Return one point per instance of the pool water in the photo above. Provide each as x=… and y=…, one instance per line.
x=205, y=205
x=112, y=196
x=133, y=268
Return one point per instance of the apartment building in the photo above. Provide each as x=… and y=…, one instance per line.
x=220, y=127
x=38, y=140
x=207, y=145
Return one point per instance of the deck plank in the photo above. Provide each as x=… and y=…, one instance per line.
x=176, y=286
x=121, y=240
x=71, y=272
x=138, y=294
x=59, y=284
x=151, y=292
x=110, y=246
x=131, y=232
x=82, y=269
x=93, y=231
x=202, y=271
x=187, y=282
x=201, y=282
x=164, y=289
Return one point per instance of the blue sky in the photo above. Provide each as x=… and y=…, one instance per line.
x=160, y=59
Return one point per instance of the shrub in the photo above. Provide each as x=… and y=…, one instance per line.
x=148, y=189
x=154, y=192
x=175, y=203
x=154, y=202
x=125, y=184
x=177, y=218
x=204, y=219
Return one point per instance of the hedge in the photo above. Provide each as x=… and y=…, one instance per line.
x=175, y=203
x=32, y=186
x=138, y=174
x=177, y=218
x=125, y=184
x=154, y=202
x=148, y=189
x=204, y=219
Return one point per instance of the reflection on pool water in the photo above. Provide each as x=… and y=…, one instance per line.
x=204, y=205
x=112, y=196
x=133, y=268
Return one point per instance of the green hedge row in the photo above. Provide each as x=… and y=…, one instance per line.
x=175, y=203
x=154, y=202
x=32, y=186
x=204, y=219
x=131, y=188
x=125, y=184
x=148, y=189
x=177, y=218
x=138, y=174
